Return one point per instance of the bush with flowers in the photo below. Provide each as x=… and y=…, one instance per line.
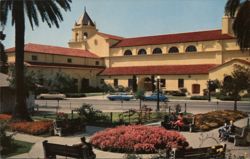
x=34, y=128
x=5, y=117
x=137, y=139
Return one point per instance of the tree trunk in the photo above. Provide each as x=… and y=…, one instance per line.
x=20, y=111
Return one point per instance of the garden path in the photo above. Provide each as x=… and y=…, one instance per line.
x=193, y=139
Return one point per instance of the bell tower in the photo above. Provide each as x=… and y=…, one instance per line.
x=82, y=30
x=227, y=24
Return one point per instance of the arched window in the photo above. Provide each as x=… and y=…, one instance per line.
x=157, y=51
x=228, y=79
x=191, y=48
x=173, y=50
x=142, y=52
x=85, y=36
x=127, y=53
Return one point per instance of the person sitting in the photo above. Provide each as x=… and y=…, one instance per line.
x=85, y=145
x=224, y=132
x=179, y=123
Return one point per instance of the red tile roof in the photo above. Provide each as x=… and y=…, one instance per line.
x=110, y=36
x=232, y=61
x=159, y=70
x=174, y=38
x=60, y=65
x=56, y=50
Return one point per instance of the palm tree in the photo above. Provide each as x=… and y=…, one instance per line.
x=241, y=26
x=49, y=11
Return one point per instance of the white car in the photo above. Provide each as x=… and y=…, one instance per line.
x=51, y=96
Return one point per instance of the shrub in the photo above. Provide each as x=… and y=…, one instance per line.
x=33, y=128
x=89, y=114
x=199, y=98
x=137, y=139
x=5, y=141
x=75, y=95
x=227, y=98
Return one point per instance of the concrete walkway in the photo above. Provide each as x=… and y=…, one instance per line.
x=195, y=139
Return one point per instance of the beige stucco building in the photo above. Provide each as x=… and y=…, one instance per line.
x=183, y=60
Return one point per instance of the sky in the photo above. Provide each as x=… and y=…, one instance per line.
x=128, y=18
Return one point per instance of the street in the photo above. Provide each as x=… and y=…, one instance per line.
x=118, y=106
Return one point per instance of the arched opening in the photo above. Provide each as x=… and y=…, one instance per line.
x=191, y=48
x=142, y=52
x=147, y=84
x=173, y=50
x=228, y=79
x=128, y=53
x=76, y=37
x=85, y=36
x=157, y=51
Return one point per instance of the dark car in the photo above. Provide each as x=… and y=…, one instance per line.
x=120, y=96
x=153, y=97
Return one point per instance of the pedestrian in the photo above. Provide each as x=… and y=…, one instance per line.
x=89, y=150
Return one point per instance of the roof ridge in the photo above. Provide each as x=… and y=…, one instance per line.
x=174, y=33
x=59, y=50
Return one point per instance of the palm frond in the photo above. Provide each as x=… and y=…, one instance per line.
x=5, y=7
x=241, y=26
x=31, y=13
x=50, y=12
x=231, y=7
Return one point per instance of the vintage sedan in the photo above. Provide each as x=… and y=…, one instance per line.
x=120, y=96
x=53, y=95
x=153, y=97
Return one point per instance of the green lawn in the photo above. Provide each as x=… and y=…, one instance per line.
x=19, y=147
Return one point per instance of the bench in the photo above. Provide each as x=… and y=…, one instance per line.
x=189, y=124
x=51, y=150
x=241, y=136
x=62, y=127
x=218, y=151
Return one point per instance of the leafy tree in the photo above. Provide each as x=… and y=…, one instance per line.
x=61, y=82
x=240, y=9
x=50, y=13
x=3, y=56
x=237, y=82
x=139, y=95
x=29, y=78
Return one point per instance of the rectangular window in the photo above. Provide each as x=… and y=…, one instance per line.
x=115, y=82
x=34, y=58
x=102, y=81
x=130, y=83
x=196, y=89
x=163, y=82
x=69, y=60
x=180, y=83
x=97, y=63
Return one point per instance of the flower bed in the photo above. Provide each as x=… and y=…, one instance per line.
x=34, y=128
x=137, y=139
x=215, y=119
x=5, y=117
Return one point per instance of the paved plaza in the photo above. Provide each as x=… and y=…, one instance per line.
x=209, y=138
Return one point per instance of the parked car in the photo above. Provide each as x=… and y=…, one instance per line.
x=52, y=95
x=120, y=96
x=153, y=97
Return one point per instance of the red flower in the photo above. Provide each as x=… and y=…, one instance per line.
x=137, y=138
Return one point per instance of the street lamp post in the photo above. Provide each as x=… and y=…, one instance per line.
x=209, y=89
x=158, y=93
